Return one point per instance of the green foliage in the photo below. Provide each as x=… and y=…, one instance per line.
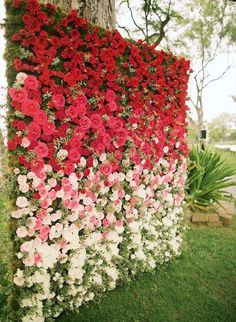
x=208, y=176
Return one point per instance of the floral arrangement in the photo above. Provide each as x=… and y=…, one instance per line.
x=98, y=130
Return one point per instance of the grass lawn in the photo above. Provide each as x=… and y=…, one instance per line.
x=198, y=286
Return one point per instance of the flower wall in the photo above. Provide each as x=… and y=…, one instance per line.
x=97, y=128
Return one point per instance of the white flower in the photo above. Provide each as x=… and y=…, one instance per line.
x=24, y=187
x=52, y=182
x=22, y=202
x=19, y=278
x=62, y=154
x=25, y=142
x=141, y=192
x=165, y=149
x=103, y=157
x=22, y=232
x=167, y=222
x=20, y=78
x=177, y=145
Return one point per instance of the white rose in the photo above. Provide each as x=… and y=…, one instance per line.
x=20, y=78
x=22, y=232
x=25, y=142
x=62, y=154
x=22, y=202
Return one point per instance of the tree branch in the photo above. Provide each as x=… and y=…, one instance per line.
x=217, y=78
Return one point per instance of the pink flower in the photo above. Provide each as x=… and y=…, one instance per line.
x=44, y=231
x=18, y=95
x=37, y=258
x=106, y=169
x=72, y=112
x=19, y=280
x=105, y=222
x=41, y=150
x=96, y=121
x=31, y=82
x=40, y=117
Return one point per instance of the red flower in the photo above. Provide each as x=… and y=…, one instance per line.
x=48, y=128
x=110, y=96
x=85, y=123
x=96, y=121
x=18, y=95
x=40, y=117
x=58, y=101
x=72, y=112
x=69, y=167
x=34, y=131
x=41, y=150
x=36, y=165
x=30, y=107
x=11, y=144
x=106, y=169
x=31, y=82
x=74, y=155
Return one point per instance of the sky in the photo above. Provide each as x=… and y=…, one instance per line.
x=217, y=97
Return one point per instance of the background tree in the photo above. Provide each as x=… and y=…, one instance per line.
x=99, y=12
x=222, y=127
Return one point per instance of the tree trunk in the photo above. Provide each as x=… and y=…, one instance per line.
x=98, y=12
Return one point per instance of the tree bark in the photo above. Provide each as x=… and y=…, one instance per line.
x=98, y=12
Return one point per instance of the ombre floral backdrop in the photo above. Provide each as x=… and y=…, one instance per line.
x=98, y=134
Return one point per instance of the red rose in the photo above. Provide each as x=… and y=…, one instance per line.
x=69, y=167
x=58, y=101
x=85, y=123
x=18, y=95
x=41, y=150
x=11, y=144
x=96, y=121
x=34, y=131
x=36, y=165
x=72, y=112
x=81, y=101
x=106, y=139
x=17, y=64
x=110, y=96
x=75, y=142
x=31, y=82
x=90, y=161
x=40, y=117
x=30, y=107
x=81, y=110
x=49, y=128
x=106, y=168
x=112, y=106
x=74, y=155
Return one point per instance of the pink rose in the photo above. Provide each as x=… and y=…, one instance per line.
x=30, y=107
x=40, y=117
x=106, y=169
x=31, y=82
x=22, y=232
x=72, y=112
x=18, y=95
x=41, y=150
x=105, y=222
x=34, y=131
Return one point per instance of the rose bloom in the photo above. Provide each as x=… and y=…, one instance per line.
x=96, y=121
x=74, y=155
x=72, y=112
x=22, y=202
x=11, y=145
x=40, y=117
x=31, y=82
x=41, y=150
x=58, y=101
x=110, y=96
x=85, y=123
x=30, y=107
x=19, y=280
x=20, y=78
x=22, y=232
x=106, y=168
x=34, y=131
x=18, y=95
x=25, y=142
x=36, y=165
x=49, y=128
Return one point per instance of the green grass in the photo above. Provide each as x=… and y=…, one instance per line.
x=5, y=259
x=229, y=157
x=199, y=286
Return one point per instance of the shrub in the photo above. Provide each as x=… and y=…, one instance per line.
x=208, y=176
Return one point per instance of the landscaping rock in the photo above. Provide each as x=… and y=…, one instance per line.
x=199, y=218
x=214, y=218
x=225, y=218
x=215, y=224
